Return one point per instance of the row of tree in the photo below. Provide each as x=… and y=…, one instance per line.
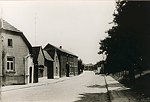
x=127, y=45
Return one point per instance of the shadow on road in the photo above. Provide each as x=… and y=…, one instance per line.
x=93, y=97
x=97, y=86
x=124, y=96
x=117, y=92
x=104, y=86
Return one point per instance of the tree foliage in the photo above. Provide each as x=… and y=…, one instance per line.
x=80, y=66
x=127, y=46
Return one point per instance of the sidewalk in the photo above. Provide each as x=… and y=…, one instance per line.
x=120, y=93
x=141, y=86
x=42, y=81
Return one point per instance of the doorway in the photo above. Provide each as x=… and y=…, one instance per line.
x=30, y=79
x=67, y=70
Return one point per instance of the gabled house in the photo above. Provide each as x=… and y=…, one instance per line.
x=43, y=63
x=65, y=62
x=17, y=65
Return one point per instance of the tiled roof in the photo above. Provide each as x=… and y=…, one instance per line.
x=62, y=50
x=65, y=51
x=8, y=27
x=36, y=50
x=47, y=56
x=5, y=25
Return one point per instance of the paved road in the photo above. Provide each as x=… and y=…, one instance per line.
x=86, y=87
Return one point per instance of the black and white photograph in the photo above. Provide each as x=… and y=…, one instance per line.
x=74, y=51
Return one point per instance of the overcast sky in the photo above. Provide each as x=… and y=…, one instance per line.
x=77, y=25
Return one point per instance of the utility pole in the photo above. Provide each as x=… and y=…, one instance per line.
x=0, y=63
x=1, y=55
x=35, y=26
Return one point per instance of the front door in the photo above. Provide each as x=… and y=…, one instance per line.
x=30, y=80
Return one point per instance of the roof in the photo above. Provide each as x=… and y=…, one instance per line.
x=5, y=25
x=47, y=56
x=36, y=50
x=8, y=27
x=60, y=49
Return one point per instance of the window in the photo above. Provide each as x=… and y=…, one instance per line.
x=10, y=63
x=56, y=71
x=10, y=42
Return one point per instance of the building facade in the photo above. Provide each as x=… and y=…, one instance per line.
x=43, y=63
x=65, y=62
x=15, y=49
x=38, y=56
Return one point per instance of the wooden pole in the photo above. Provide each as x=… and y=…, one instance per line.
x=1, y=50
x=0, y=62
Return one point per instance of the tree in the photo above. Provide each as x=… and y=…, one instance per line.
x=126, y=45
x=80, y=66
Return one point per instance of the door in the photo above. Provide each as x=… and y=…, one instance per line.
x=67, y=70
x=50, y=74
x=30, y=80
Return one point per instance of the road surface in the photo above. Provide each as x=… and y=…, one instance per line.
x=86, y=87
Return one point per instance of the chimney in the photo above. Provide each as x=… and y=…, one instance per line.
x=60, y=47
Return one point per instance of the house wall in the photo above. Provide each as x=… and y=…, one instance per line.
x=40, y=58
x=71, y=66
x=75, y=60
x=19, y=51
x=56, y=66
x=45, y=72
x=29, y=64
x=42, y=71
x=63, y=62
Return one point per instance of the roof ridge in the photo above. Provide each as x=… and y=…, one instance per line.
x=63, y=50
x=37, y=46
x=7, y=26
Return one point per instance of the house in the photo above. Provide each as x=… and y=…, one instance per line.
x=43, y=63
x=16, y=59
x=65, y=63
x=89, y=67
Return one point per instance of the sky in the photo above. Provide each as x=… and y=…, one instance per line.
x=77, y=26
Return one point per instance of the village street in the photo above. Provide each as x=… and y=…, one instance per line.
x=86, y=87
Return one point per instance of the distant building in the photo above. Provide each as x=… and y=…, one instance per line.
x=89, y=67
x=17, y=64
x=65, y=62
